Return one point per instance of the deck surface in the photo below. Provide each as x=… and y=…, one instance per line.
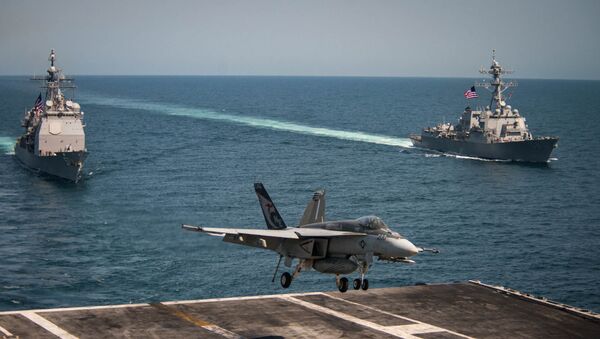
x=463, y=310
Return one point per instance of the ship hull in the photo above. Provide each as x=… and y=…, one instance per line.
x=535, y=150
x=66, y=165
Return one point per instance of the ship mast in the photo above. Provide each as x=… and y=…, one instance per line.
x=55, y=80
x=53, y=77
x=496, y=71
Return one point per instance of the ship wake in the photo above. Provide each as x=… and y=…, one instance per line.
x=256, y=122
x=7, y=145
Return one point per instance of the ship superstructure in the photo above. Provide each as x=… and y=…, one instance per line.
x=54, y=139
x=496, y=132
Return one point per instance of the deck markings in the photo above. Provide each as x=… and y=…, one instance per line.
x=48, y=325
x=427, y=328
x=418, y=328
x=396, y=332
x=253, y=297
x=68, y=309
x=198, y=322
x=5, y=331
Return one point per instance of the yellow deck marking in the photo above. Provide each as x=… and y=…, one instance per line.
x=181, y=315
x=198, y=322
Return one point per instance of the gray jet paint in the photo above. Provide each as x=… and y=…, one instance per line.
x=336, y=247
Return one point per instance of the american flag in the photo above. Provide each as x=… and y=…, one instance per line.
x=471, y=93
x=38, y=106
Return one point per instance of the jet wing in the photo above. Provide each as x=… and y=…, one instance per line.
x=282, y=234
x=319, y=232
x=287, y=233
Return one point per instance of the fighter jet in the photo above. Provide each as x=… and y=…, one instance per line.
x=335, y=247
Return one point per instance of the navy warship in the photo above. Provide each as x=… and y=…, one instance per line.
x=54, y=139
x=496, y=132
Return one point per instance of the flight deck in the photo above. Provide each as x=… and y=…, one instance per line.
x=458, y=310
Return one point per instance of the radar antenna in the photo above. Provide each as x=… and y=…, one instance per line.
x=52, y=57
x=499, y=86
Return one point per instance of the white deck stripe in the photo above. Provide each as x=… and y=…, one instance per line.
x=418, y=328
x=67, y=309
x=389, y=330
x=397, y=316
x=253, y=297
x=48, y=325
x=5, y=331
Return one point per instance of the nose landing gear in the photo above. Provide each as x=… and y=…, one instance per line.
x=286, y=280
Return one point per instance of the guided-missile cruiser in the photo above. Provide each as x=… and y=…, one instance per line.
x=54, y=139
x=496, y=132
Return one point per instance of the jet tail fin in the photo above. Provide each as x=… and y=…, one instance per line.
x=272, y=217
x=315, y=210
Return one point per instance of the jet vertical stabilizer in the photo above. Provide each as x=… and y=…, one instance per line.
x=315, y=210
x=272, y=217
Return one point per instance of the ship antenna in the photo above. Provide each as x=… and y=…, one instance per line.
x=52, y=57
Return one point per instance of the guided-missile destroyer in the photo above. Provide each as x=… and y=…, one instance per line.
x=54, y=139
x=496, y=132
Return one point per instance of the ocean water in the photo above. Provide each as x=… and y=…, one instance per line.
x=171, y=150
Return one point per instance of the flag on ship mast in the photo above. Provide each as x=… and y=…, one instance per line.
x=38, y=103
x=471, y=93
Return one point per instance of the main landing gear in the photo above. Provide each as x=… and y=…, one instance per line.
x=342, y=283
x=357, y=284
x=361, y=283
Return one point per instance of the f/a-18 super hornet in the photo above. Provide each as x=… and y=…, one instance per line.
x=334, y=247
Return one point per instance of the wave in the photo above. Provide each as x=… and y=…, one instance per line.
x=7, y=145
x=428, y=153
x=257, y=122
x=474, y=158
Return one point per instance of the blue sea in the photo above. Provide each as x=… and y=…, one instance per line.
x=171, y=150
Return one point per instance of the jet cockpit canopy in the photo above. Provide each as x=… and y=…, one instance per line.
x=372, y=222
x=375, y=224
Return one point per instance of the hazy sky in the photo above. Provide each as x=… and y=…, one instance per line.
x=538, y=39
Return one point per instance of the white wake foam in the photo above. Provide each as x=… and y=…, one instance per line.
x=473, y=158
x=250, y=121
x=7, y=145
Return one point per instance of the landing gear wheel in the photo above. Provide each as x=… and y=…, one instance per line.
x=343, y=286
x=286, y=280
x=356, y=284
x=365, y=284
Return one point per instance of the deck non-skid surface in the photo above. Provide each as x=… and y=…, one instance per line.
x=430, y=311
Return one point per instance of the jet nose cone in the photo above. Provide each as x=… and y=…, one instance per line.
x=406, y=248
x=411, y=248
